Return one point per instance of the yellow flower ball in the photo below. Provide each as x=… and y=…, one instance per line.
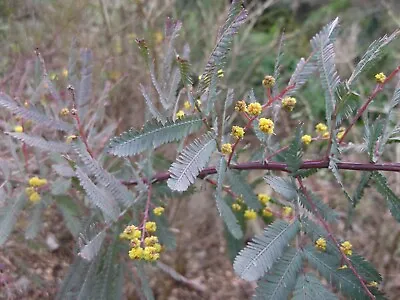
x=289, y=103
x=37, y=182
x=151, y=226
x=150, y=240
x=187, y=105
x=346, y=248
x=268, y=81
x=18, y=128
x=380, y=77
x=34, y=197
x=254, y=109
x=263, y=198
x=266, y=125
x=241, y=106
x=136, y=253
x=237, y=132
x=236, y=207
x=64, y=112
x=130, y=232
x=287, y=211
x=70, y=138
x=226, y=148
x=180, y=114
x=250, y=214
x=306, y=139
x=267, y=212
x=321, y=128
x=158, y=211
x=320, y=244
x=220, y=73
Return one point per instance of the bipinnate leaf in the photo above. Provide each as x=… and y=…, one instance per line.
x=300, y=76
x=106, y=204
x=40, y=143
x=153, y=110
x=112, y=184
x=383, y=188
x=292, y=156
x=315, y=205
x=308, y=287
x=35, y=221
x=92, y=247
x=240, y=187
x=193, y=159
x=359, y=192
x=153, y=135
x=259, y=255
x=283, y=186
x=33, y=115
x=223, y=208
x=9, y=218
x=279, y=282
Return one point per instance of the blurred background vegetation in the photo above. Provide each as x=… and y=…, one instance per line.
x=109, y=28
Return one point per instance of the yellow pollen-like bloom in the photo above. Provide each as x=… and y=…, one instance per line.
x=65, y=72
x=372, y=284
x=266, y=125
x=187, y=105
x=64, y=112
x=70, y=138
x=268, y=81
x=135, y=243
x=236, y=207
x=150, y=253
x=18, y=128
x=250, y=214
x=289, y=103
x=151, y=226
x=226, y=148
x=37, y=182
x=130, y=232
x=340, y=135
x=306, y=139
x=180, y=114
x=326, y=135
x=220, y=73
x=287, y=211
x=342, y=267
x=263, y=198
x=34, y=197
x=380, y=77
x=237, y=132
x=321, y=128
x=267, y=212
x=240, y=199
x=320, y=244
x=136, y=253
x=158, y=211
x=346, y=248
x=254, y=108
x=150, y=240
x=30, y=190
x=241, y=106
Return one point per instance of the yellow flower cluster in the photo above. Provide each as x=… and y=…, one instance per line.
x=237, y=132
x=268, y=81
x=321, y=128
x=226, y=148
x=289, y=103
x=148, y=248
x=346, y=248
x=266, y=125
x=236, y=207
x=320, y=244
x=250, y=214
x=70, y=138
x=254, y=109
x=32, y=191
x=306, y=139
x=64, y=112
x=372, y=284
x=150, y=226
x=18, y=128
x=287, y=211
x=380, y=77
x=343, y=267
x=65, y=72
x=220, y=73
x=158, y=211
x=267, y=212
x=187, y=105
x=341, y=132
x=180, y=114
x=263, y=198
x=241, y=106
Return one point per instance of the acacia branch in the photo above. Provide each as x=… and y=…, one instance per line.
x=277, y=166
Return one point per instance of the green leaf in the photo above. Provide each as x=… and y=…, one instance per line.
x=191, y=161
x=9, y=217
x=104, y=278
x=293, y=154
x=259, y=255
x=300, y=76
x=317, y=204
x=347, y=103
x=184, y=69
x=33, y=115
x=163, y=232
x=224, y=210
x=106, y=204
x=280, y=281
x=88, y=281
x=144, y=281
x=40, y=143
x=308, y=287
x=236, y=17
x=153, y=110
x=35, y=221
x=359, y=192
x=282, y=186
x=372, y=137
x=392, y=200
x=240, y=187
x=153, y=135
x=327, y=265
x=90, y=248
x=112, y=184
x=373, y=52
x=366, y=270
